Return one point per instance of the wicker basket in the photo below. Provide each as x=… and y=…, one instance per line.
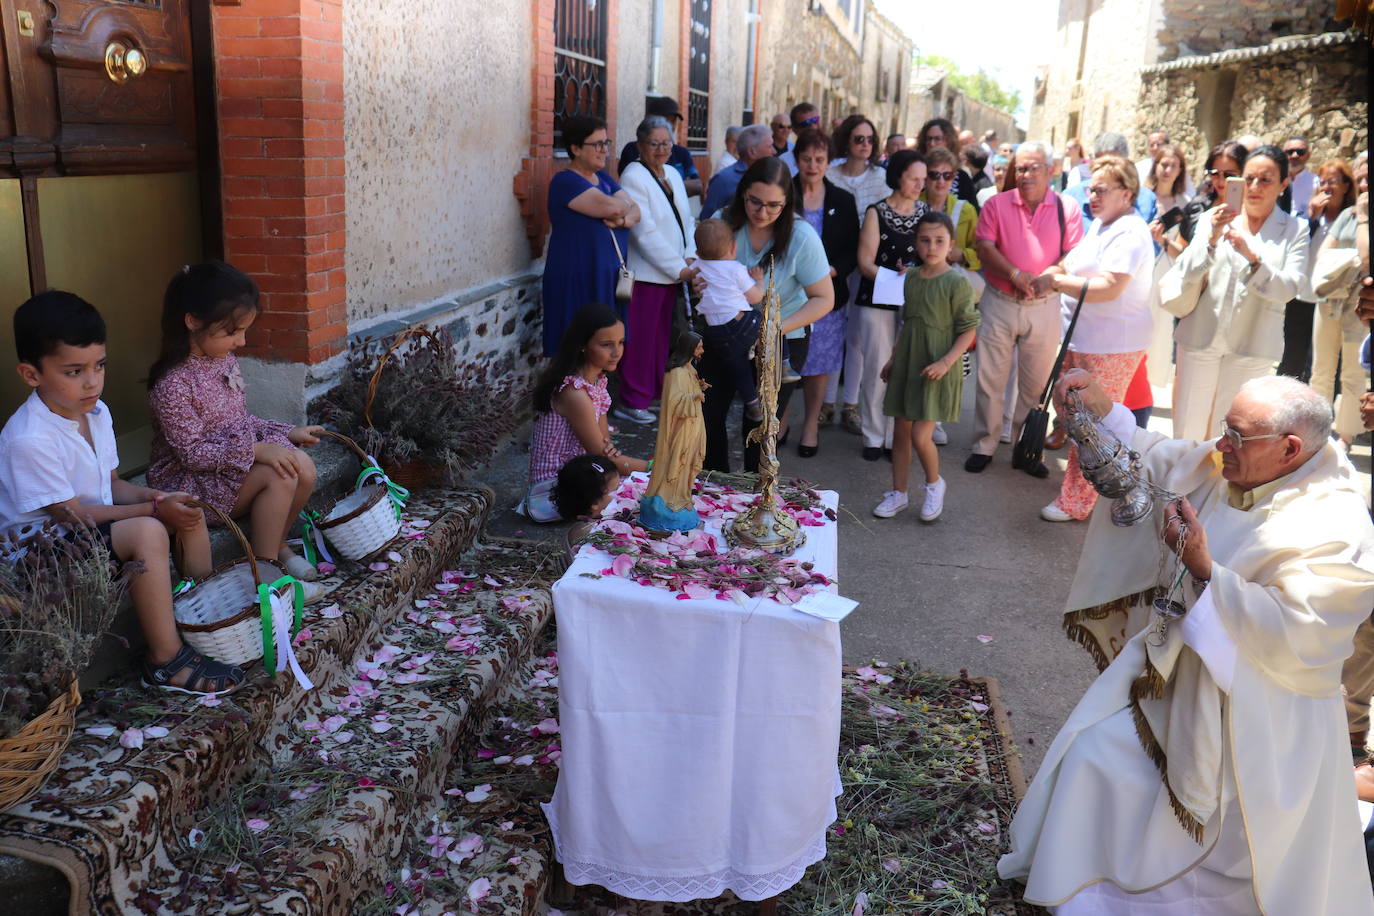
x=364, y=521
x=28, y=758
x=221, y=617
x=418, y=472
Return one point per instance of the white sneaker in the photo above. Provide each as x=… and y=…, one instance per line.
x=312, y=592
x=1005, y=438
x=634, y=414
x=934, y=502
x=894, y=501
x=1052, y=513
x=940, y=437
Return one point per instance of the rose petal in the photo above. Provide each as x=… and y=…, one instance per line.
x=256, y=824
x=984, y=639
x=101, y=731
x=131, y=738
x=331, y=611
x=378, y=567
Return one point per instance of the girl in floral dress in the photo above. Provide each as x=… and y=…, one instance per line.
x=205, y=442
x=570, y=405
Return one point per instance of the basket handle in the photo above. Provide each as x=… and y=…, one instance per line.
x=413, y=331
x=237, y=532
x=347, y=443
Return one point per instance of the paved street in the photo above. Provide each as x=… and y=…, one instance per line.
x=988, y=567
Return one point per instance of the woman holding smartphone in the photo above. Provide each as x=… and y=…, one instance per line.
x=1229, y=287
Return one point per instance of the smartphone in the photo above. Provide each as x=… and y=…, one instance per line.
x=1172, y=218
x=1235, y=193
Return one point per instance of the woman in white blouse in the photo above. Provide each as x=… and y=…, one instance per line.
x=857, y=171
x=1230, y=287
x=1116, y=259
x=661, y=247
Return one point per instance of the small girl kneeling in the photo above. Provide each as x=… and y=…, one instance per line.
x=570, y=405
x=205, y=442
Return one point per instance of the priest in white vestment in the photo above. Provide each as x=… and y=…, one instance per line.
x=1206, y=770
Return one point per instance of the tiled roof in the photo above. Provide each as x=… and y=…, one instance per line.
x=1236, y=55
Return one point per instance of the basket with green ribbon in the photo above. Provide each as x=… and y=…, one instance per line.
x=361, y=523
x=233, y=615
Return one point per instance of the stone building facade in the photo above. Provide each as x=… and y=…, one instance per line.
x=1204, y=70
x=886, y=74
x=932, y=96
x=1307, y=87
x=810, y=51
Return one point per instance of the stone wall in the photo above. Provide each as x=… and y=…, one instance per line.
x=1311, y=88
x=886, y=73
x=1092, y=81
x=804, y=56
x=1192, y=27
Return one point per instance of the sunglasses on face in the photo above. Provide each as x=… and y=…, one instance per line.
x=940, y=176
x=862, y=139
x=1218, y=173
x=1295, y=152
x=809, y=122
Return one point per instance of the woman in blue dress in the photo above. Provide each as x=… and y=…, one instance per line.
x=586, y=210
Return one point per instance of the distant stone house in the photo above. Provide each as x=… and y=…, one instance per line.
x=1204, y=70
x=933, y=96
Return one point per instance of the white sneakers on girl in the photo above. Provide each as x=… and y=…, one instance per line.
x=939, y=437
x=934, y=502
x=894, y=501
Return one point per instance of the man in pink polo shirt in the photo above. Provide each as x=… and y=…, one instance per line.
x=1020, y=233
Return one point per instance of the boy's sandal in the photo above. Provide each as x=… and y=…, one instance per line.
x=219, y=677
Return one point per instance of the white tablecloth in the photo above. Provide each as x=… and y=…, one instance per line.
x=700, y=737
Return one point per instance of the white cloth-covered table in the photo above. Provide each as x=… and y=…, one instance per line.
x=700, y=737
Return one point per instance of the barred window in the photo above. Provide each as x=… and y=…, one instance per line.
x=699, y=78
x=579, y=61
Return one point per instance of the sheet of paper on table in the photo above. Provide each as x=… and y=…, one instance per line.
x=889, y=288
x=825, y=605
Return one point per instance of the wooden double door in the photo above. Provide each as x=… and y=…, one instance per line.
x=100, y=178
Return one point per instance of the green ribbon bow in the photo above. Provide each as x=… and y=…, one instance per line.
x=394, y=491
x=269, y=642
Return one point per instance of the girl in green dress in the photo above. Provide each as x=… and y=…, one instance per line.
x=938, y=321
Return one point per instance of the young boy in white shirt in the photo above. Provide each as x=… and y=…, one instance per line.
x=57, y=466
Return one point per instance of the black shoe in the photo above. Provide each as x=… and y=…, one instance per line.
x=976, y=463
x=782, y=440
x=807, y=451
x=1039, y=470
x=872, y=453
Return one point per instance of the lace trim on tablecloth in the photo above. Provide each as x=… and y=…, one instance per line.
x=684, y=889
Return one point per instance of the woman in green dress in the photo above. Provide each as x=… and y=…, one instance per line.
x=938, y=323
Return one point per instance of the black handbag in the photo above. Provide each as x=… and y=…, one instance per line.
x=1029, y=452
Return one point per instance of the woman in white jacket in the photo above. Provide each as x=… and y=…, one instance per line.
x=1230, y=286
x=661, y=248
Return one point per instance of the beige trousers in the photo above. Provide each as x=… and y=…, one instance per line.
x=1206, y=383
x=869, y=337
x=1357, y=681
x=1025, y=335
x=1337, y=338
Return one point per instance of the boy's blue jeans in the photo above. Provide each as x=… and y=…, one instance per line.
x=730, y=343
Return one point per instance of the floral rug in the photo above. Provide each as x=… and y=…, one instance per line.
x=930, y=781
x=134, y=814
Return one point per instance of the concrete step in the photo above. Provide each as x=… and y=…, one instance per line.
x=156, y=792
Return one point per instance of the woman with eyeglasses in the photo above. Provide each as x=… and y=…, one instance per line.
x=855, y=169
x=1229, y=288
x=831, y=212
x=1114, y=327
x=591, y=216
x=771, y=235
x=939, y=133
x=661, y=249
x=1224, y=161
x=887, y=240
x=1340, y=219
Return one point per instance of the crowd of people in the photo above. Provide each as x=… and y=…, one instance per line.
x=893, y=259
x=1221, y=289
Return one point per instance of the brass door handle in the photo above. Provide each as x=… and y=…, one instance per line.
x=123, y=62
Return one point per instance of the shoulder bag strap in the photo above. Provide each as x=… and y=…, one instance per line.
x=1063, y=232
x=1063, y=348
x=668, y=193
x=616, y=242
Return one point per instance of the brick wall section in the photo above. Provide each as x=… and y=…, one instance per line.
x=279, y=83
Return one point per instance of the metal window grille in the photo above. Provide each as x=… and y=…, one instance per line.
x=699, y=78
x=579, y=61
